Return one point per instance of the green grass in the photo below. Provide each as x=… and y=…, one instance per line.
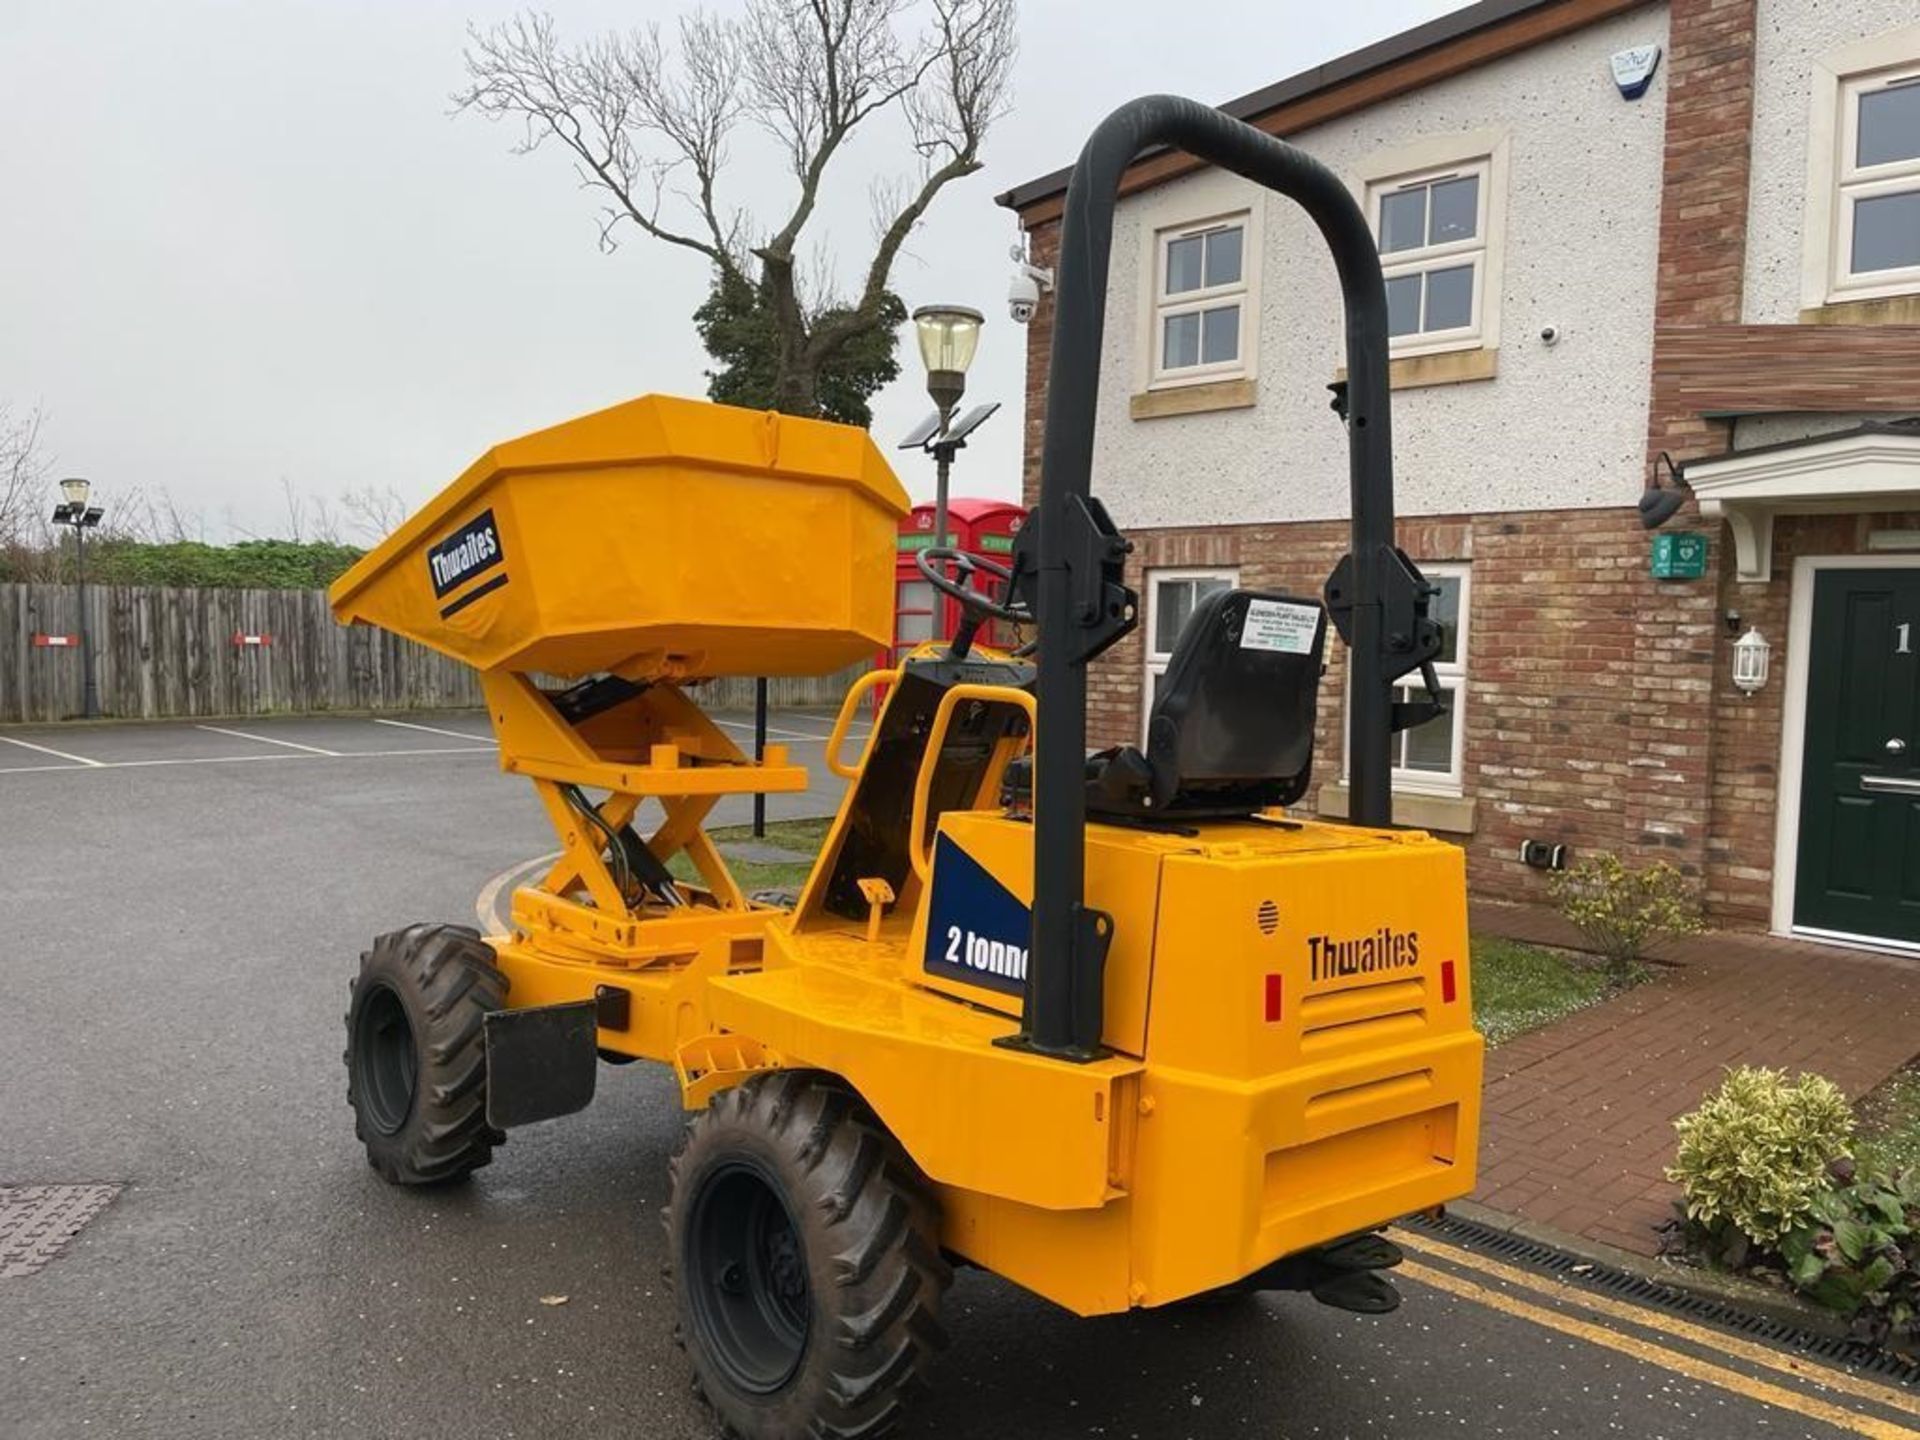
x=1517, y=988
x=803, y=837
x=1889, y=1134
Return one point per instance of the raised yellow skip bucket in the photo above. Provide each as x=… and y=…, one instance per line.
x=660, y=538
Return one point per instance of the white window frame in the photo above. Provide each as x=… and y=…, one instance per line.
x=1478, y=152
x=1835, y=184
x=1857, y=183
x=1243, y=292
x=1453, y=676
x=1156, y=660
x=1448, y=255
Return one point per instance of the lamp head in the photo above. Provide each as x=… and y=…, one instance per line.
x=948, y=336
x=75, y=489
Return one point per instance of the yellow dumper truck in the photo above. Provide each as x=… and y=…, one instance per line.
x=1119, y=1027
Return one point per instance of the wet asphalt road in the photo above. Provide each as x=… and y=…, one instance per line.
x=174, y=963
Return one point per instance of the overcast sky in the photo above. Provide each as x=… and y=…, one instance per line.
x=247, y=242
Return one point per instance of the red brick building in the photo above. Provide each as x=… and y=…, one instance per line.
x=1586, y=271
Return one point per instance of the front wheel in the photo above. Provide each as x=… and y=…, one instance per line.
x=804, y=1255
x=416, y=1053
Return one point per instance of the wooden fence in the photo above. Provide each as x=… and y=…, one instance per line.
x=163, y=653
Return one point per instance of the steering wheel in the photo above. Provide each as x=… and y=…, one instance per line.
x=980, y=607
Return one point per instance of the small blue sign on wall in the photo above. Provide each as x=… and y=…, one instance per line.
x=1679, y=555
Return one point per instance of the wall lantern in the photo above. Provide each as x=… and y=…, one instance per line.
x=1751, y=654
x=1657, y=506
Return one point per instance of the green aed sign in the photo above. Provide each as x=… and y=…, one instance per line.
x=1681, y=555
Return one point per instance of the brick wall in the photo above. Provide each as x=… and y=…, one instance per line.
x=1552, y=697
x=1560, y=724
x=1552, y=702
x=1292, y=558
x=1703, y=220
x=1043, y=249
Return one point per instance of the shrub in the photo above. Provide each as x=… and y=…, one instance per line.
x=1858, y=1252
x=1754, y=1156
x=247, y=565
x=189, y=564
x=1621, y=910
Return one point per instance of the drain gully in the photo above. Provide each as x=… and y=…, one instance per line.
x=1856, y=1354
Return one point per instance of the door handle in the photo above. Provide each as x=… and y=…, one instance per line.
x=1896, y=746
x=1891, y=784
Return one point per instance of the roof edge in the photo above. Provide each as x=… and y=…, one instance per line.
x=1442, y=31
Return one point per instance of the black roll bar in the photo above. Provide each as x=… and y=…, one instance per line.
x=1063, y=1010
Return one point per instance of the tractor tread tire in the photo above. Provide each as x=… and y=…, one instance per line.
x=447, y=982
x=871, y=1234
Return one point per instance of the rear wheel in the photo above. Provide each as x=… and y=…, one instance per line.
x=804, y=1255
x=416, y=1053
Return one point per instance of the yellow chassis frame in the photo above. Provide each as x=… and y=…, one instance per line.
x=1102, y=1186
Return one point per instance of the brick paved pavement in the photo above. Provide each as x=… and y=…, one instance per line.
x=1578, y=1116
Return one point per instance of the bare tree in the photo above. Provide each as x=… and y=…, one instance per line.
x=374, y=513
x=23, y=472
x=650, y=126
x=142, y=516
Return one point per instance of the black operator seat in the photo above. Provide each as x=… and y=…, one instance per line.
x=1232, y=729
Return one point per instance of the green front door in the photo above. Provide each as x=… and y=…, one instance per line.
x=1859, y=860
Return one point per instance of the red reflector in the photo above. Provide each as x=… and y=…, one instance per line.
x=1274, y=997
x=1447, y=991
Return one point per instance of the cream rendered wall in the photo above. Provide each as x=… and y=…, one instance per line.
x=1750, y=432
x=1792, y=36
x=1558, y=427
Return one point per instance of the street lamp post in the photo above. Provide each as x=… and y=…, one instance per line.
x=948, y=334
x=74, y=510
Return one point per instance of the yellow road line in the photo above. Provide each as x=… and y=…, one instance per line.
x=1765, y=1355
x=1674, y=1360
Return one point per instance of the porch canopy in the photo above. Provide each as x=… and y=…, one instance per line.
x=1870, y=467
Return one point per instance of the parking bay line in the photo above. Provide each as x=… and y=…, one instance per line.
x=247, y=759
x=485, y=907
x=1783, y=1361
x=1676, y=1361
x=268, y=740
x=49, y=750
x=434, y=730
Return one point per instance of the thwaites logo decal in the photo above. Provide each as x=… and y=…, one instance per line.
x=1330, y=957
x=471, y=550
x=977, y=929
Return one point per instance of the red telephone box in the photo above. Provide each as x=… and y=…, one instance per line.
x=977, y=527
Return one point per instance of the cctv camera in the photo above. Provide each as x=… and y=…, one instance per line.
x=1023, y=295
x=1550, y=335
x=1024, y=290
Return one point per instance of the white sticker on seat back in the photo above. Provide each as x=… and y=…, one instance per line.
x=1276, y=625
